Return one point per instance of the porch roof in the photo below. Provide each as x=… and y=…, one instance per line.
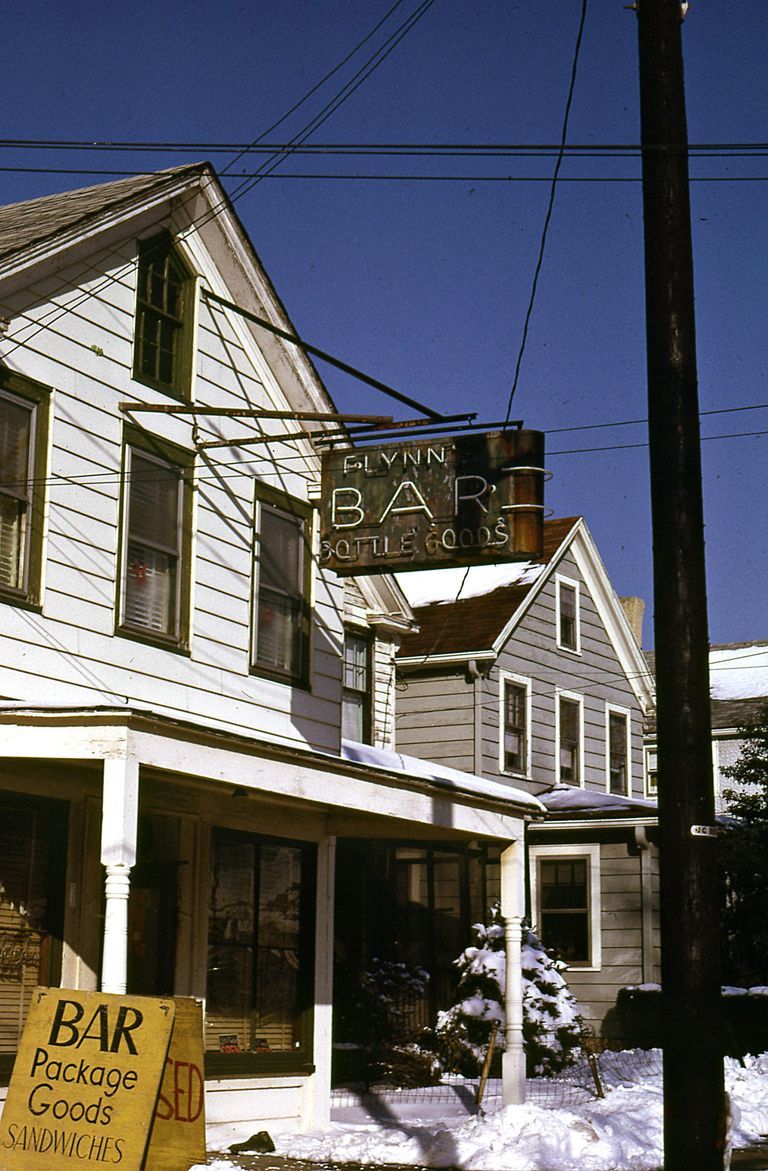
x=357, y=797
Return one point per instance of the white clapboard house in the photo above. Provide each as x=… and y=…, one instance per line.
x=175, y=668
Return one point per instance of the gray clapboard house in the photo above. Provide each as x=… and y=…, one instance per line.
x=176, y=670
x=533, y=676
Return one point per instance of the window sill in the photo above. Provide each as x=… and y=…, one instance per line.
x=223, y=1066
x=570, y=650
x=148, y=639
x=20, y=601
x=300, y=682
x=182, y=396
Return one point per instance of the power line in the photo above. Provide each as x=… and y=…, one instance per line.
x=550, y=206
x=370, y=177
x=258, y=146
x=195, y=225
x=241, y=467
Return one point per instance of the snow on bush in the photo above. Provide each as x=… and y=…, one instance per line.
x=552, y=1025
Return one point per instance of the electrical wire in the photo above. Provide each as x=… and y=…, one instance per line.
x=430, y=149
x=309, y=93
x=240, y=466
x=371, y=64
x=363, y=177
x=550, y=207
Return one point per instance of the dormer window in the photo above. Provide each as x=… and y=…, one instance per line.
x=163, y=318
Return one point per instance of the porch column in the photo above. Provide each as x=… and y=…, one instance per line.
x=320, y=1108
x=119, y=815
x=513, y=910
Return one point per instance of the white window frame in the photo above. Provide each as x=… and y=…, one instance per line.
x=177, y=637
x=590, y=851
x=300, y=513
x=616, y=710
x=579, y=701
x=650, y=750
x=368, y=694
x=570, y=583
x=506, y=677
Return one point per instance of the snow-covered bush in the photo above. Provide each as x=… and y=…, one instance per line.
x=552, y=1026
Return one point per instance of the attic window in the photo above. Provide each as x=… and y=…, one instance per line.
x=568, y=618
x=163, y=317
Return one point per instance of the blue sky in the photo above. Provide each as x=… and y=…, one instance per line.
x=425, y=284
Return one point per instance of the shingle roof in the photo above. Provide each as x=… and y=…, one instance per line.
x=36, y=220
x=474, y=624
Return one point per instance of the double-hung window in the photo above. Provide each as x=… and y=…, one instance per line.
x=565, y=884
x=357, y=698
x=282, y=582
x=569, y=739
x=515, y=720
x=156, y=547
x=23, y=436
x=163, y=317
x=568, y=615
x=618, y=751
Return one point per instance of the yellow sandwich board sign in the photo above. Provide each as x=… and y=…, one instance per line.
x=178, y=1132
x=86, y=1080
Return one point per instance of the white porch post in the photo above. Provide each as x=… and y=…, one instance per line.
x=119, y=815
x=320, y=1108
x=513, y=909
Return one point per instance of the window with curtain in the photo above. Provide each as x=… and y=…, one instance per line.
x=357, y=694
x=282, y=588
x=23, y=420
x=154, y=546
x=163, y=317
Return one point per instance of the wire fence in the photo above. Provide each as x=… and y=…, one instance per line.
x=590, y=1077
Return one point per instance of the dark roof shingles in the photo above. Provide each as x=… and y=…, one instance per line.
x=35, y=220
x=474, y=624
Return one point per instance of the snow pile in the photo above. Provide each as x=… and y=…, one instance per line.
x=621, y=1132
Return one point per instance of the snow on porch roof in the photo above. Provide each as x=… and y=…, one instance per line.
x=449, y=778
x=570, y=800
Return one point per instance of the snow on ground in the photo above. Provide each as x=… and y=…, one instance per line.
x=621, y=1132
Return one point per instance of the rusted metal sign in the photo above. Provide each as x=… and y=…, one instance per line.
x=459, y=500
x=85, y=1082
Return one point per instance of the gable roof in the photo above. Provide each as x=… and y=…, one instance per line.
x=478, y=627
x=23, y=225
x=451, y=627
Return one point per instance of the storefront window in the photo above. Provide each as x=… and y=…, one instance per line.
x=260, y=949
x=32, y=869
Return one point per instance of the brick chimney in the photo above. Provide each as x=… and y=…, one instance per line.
x=633, y=611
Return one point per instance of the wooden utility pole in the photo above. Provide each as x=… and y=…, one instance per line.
x=694, y=1114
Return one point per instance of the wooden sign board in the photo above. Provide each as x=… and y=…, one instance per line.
x=178, y=1132
x=85, y=1082
x=460, y=500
